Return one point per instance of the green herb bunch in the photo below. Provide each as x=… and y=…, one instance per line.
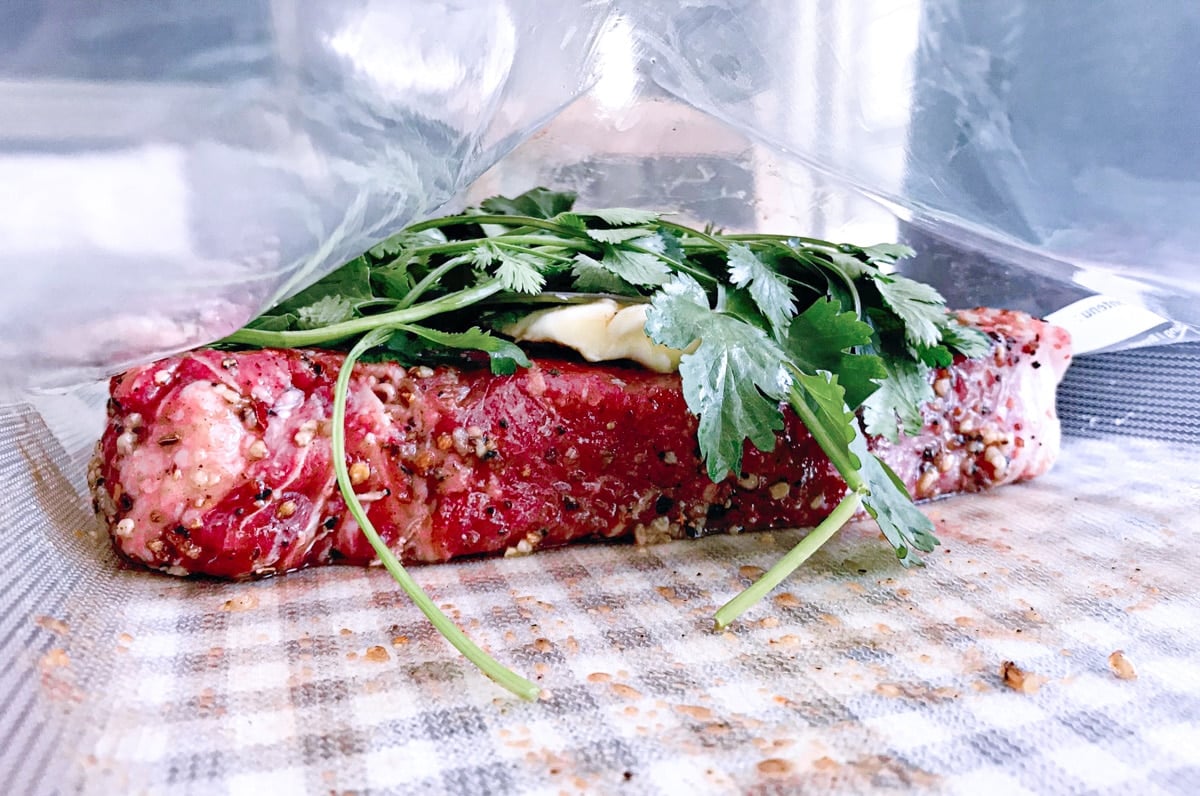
x=827, y=329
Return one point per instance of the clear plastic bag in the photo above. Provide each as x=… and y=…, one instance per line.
x=169, y=171
x=1035, y=154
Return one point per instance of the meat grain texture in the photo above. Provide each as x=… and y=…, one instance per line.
x=220, y=463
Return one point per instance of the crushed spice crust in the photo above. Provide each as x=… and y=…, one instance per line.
x=1122, y=669
x=1019, y=680
x=453, y=462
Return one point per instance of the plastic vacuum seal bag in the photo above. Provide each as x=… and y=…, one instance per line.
x=168, y=170
x=1033, y=155
x=1055, y=140
x=1037, y=154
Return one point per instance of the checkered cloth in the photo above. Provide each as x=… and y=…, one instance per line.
x=855, y=675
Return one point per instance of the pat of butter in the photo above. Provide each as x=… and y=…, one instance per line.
x=601, y=331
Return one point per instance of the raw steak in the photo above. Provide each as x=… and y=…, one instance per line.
x=220, y=463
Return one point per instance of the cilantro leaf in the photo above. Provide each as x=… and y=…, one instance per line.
x=733, y=381
x=966, y=340
x=636, y=268
x=851, y=266
x=822, y=338
x=901, y=397
x=738, y=303
x=935, y=356
x=889, y=504
x=535, y=203
x=668, y=245
x=519, y=271
x=393, y=280
x=327, y=301
x=592, y=277
x=887, y=253
x=325, y=312
x=275, y=322
x=616, y=235
x=919, y=306
x=483, y=255
x=504, y=355
x=769, y=290
x=352, y=281
x=622, y=216
x=826, y=399
x=572, y=221
x=405, y=240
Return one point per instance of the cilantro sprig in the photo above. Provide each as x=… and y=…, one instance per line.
x=768, y=321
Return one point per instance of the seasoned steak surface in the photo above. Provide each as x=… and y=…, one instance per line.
x=220, y=463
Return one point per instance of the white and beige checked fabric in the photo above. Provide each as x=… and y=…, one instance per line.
x=856, y=675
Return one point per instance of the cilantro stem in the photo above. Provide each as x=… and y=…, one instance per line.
x=698, y=273
x=339, y=331
x=375, y=302
x=429, y=281
x=753, y=237
x=695, y=233
x=514, y=222
x=504, y=240
x=804, y=550
x=499, y=673
x=837, y=451
x=562, y=297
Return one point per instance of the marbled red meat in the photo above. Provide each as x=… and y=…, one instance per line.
x=220, y=463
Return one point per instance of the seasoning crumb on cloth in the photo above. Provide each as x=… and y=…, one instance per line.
x=53, y=624
x=1020, y=680
x=1121, y=667
x=243, y=602
x=774, y=767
